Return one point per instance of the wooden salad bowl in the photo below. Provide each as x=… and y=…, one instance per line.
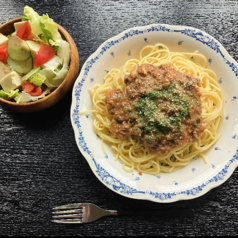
x=54, y=97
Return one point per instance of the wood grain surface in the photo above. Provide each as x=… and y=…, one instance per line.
x=40, y=164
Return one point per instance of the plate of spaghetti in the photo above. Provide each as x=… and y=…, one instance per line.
x=153, y=113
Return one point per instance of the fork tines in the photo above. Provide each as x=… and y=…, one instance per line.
x=68, y=206
x=71, y=213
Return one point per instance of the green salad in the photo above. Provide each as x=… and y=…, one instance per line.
x=34, y=59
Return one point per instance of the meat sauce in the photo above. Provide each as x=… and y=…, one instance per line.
x=161, y=107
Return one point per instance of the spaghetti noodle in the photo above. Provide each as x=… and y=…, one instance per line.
x=132, y=152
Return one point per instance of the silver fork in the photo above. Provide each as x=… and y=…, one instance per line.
x=88, y=212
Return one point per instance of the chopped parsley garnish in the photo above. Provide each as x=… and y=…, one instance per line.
x=157, y=119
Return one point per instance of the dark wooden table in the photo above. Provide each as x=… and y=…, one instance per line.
x=40, y=164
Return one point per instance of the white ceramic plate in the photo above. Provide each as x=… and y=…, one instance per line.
x=197, y=178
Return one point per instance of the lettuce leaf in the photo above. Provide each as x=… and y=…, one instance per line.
x=26, y=97
x=3, y=94
x=34, y=20
x=43, y=27
x=64, y=53
x=50, y=31
x=12, y=94
x=38, y=79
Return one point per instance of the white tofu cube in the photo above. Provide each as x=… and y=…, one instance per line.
x=4, y=70
x=34, y=46
x=3, y=39
x=10, y=81
x=17, y=25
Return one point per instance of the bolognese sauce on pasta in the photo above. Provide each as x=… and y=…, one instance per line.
x=158, y=111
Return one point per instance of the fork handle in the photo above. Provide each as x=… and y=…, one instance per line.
x=163, y=213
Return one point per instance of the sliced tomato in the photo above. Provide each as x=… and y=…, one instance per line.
x=31, y=88
x=28, y=86
x=36, y=92
x=24, y=32
x=45, y=54
x=3, y=53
